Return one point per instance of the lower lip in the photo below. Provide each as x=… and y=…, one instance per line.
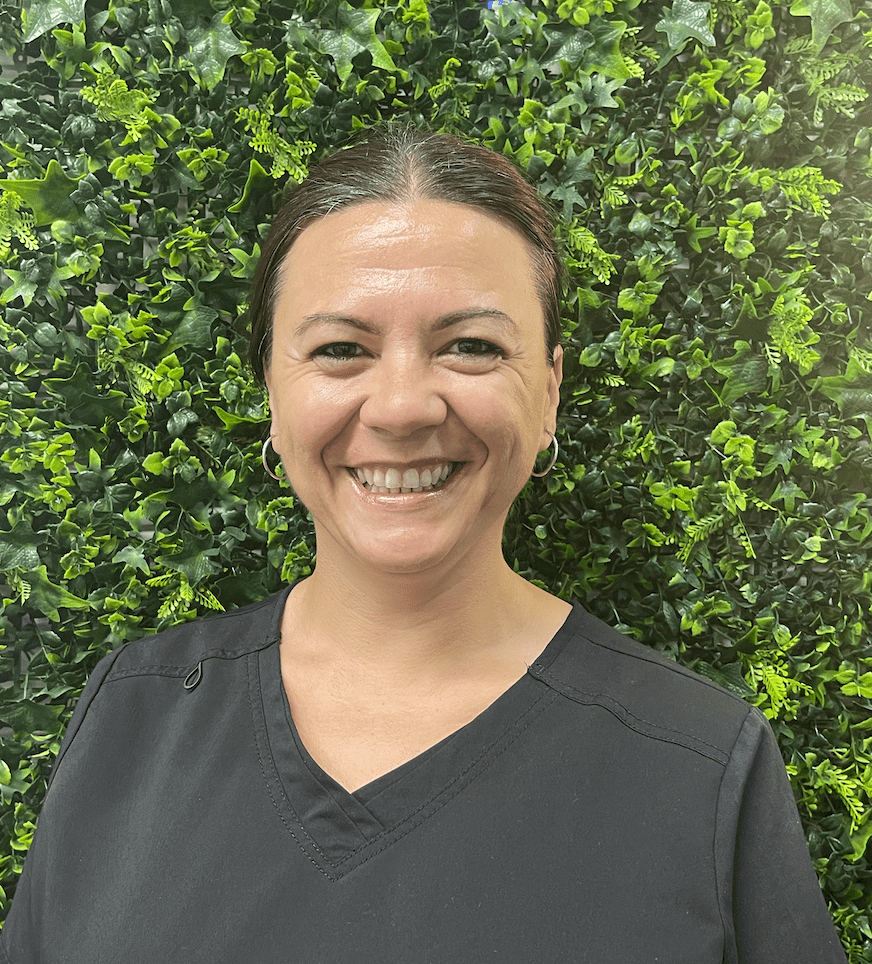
x=405, y=498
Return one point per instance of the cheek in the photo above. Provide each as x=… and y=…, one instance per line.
x=308, y=417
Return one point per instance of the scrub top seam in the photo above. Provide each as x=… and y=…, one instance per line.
x=446, y=790
x=632, y=721
x=440, y=797
x=305, y=757
x=722, y=894
x=262, y=732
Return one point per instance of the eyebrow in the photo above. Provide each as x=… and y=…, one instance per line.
x=441, y=323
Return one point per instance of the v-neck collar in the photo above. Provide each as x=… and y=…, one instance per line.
x=338, y=829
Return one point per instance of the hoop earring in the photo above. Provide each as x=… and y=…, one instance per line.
x=267, y=442
x=551, y=444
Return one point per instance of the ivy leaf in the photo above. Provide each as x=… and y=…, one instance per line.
x=133, y=557
x=566, y=45
x=211, y=48
x=45, y=14
x=687, y=20
x=194, y=330
x=48, y=197
x=605, y=56
x=852, y=392
x=46, y=597
x=825, y=15
x=21, y=287
x=27, y=716
x=18, y=547
x=356, y=34
x=193, y=561
x=746, y=372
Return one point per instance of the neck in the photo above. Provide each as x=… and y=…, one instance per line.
x=413, y=619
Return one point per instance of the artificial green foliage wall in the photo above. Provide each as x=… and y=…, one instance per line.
x=713, y=163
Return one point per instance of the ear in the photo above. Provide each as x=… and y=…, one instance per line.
x=555, y=378
x=273, y=425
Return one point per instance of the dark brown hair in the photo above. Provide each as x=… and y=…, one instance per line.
x=398, y=164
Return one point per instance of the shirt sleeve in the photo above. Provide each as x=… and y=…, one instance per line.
x=23, y=935
x=774, y=910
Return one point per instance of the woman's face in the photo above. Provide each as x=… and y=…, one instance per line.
x=409, y=343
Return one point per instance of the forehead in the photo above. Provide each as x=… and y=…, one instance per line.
x=426, y=249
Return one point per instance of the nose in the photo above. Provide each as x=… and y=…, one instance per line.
x=402, y=397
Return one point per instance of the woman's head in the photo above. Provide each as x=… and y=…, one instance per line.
x=409, y=388
x=398, y=165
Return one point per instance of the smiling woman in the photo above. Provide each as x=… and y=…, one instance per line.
x=413, y=755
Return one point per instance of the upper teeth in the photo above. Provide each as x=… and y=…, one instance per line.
x=392, y=480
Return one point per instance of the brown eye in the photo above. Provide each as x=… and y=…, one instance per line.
x=338, y=351
x=475, y=347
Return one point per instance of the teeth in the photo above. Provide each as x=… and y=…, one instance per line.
x=411, y=480
x=393, y=479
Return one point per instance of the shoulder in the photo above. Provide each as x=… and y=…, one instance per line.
x=176, y=651
x=648, y=692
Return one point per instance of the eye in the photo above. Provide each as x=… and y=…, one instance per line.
x=475, y=348
x=338, y=351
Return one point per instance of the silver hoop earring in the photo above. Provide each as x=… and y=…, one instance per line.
x=552, y=444
x=267, y=442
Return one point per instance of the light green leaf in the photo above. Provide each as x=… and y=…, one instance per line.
x=46, y=597
x=211, y=48
x=49, y=196
x=356, y=34
x=687, y=20
x=825, y=15
x=45, y=14
x=21, y=287
x=131, y=556
x=605, y=56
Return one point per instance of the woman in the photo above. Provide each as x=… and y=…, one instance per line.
x=413, y=755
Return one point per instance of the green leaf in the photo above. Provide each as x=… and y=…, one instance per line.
x=257, y=184
x=42, y=15
x=605, y=55
x=18, y=547
x=46, y=597
x=27, y=716
x=356, y=33
x=194, y=330
x=825, y=15
x=860, y=842
x=211, y=48
x=133, y=557
x=852, y=392
x=746, y=372
x=49, y=196
x=193, y=561
x=22, y=287
x=687, y=20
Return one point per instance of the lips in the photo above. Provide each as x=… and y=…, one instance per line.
x=394, y=480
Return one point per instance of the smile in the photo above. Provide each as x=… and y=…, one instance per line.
x=411, y=480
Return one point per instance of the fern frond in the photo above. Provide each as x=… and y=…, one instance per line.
x=586, y=253
x=698, y=532
x=15, y=223
x=116, y=102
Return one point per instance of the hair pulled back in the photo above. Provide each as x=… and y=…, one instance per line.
x=400, y=165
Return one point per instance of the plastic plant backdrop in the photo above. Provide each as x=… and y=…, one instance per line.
x=711, y=161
